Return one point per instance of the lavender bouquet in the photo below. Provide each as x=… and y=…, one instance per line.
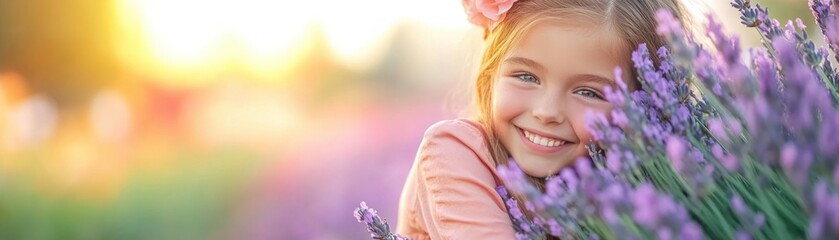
x=717, y=144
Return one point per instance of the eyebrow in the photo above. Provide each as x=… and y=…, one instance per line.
x=597, y=78
x=524, y=61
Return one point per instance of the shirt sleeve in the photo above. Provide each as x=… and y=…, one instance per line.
x=456, y=185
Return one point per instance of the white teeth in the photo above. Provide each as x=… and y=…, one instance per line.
x=544, y=141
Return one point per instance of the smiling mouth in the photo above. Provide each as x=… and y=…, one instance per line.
x=542, y=140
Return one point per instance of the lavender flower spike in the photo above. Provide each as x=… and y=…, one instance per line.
x=827, y=21
x=377, y=226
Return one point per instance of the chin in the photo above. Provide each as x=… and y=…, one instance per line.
x=539, y=166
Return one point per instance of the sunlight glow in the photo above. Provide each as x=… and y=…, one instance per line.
x=356, y=39
x=199, y=35
x=360, y=40
x=183, y=39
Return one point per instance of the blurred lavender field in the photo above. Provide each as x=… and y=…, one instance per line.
x=147, y=119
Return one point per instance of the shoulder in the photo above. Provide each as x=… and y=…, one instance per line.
x=457, y=143
x=455, y=180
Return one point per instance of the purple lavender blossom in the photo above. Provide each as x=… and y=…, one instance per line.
x=377, y=226
x=728, y=161
x=727, y=46
x=668, y=24
x=613, y=161
x=742, y=235
x=691, y=231
x=738, y=205
x=717, y=128
x=826, y=18
x=514, y=209
x=583, y=167
x=646, y=210
x=525, y=228
x=788, y=154
x=661, y=214
x=616, y=96
x=676, y=151
x=515, y=179
x=568, y=175
x=554, y=228
x=595, y=124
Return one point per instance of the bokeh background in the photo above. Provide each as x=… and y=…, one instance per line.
x=227, y=119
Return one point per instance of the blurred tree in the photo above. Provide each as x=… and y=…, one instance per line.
x=61, y=47
x=785, y=10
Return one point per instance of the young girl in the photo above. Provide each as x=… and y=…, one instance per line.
x=546, y=64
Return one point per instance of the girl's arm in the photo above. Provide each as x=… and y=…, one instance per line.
x=456, y=185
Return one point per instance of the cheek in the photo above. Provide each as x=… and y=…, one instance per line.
x=508, y=102
x=578, y=120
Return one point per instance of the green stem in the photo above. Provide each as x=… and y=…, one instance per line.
x=771, y=216
x=633, y=227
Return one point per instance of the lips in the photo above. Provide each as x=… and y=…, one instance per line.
x=541, y=143
x=542, y=140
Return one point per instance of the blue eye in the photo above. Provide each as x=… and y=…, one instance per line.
x=589, y=93
x=527, y=77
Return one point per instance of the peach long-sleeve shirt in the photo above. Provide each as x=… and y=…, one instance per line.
x=450, y=190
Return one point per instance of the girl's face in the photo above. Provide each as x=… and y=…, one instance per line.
x=543, y=89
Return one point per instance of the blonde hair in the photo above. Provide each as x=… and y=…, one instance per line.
x=633, y=20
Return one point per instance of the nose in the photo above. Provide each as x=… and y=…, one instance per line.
x=549, y=109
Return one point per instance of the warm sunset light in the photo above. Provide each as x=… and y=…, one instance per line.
x=192, y=39
x=253, y=36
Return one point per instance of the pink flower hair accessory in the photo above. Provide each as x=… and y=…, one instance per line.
x=487, y=13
